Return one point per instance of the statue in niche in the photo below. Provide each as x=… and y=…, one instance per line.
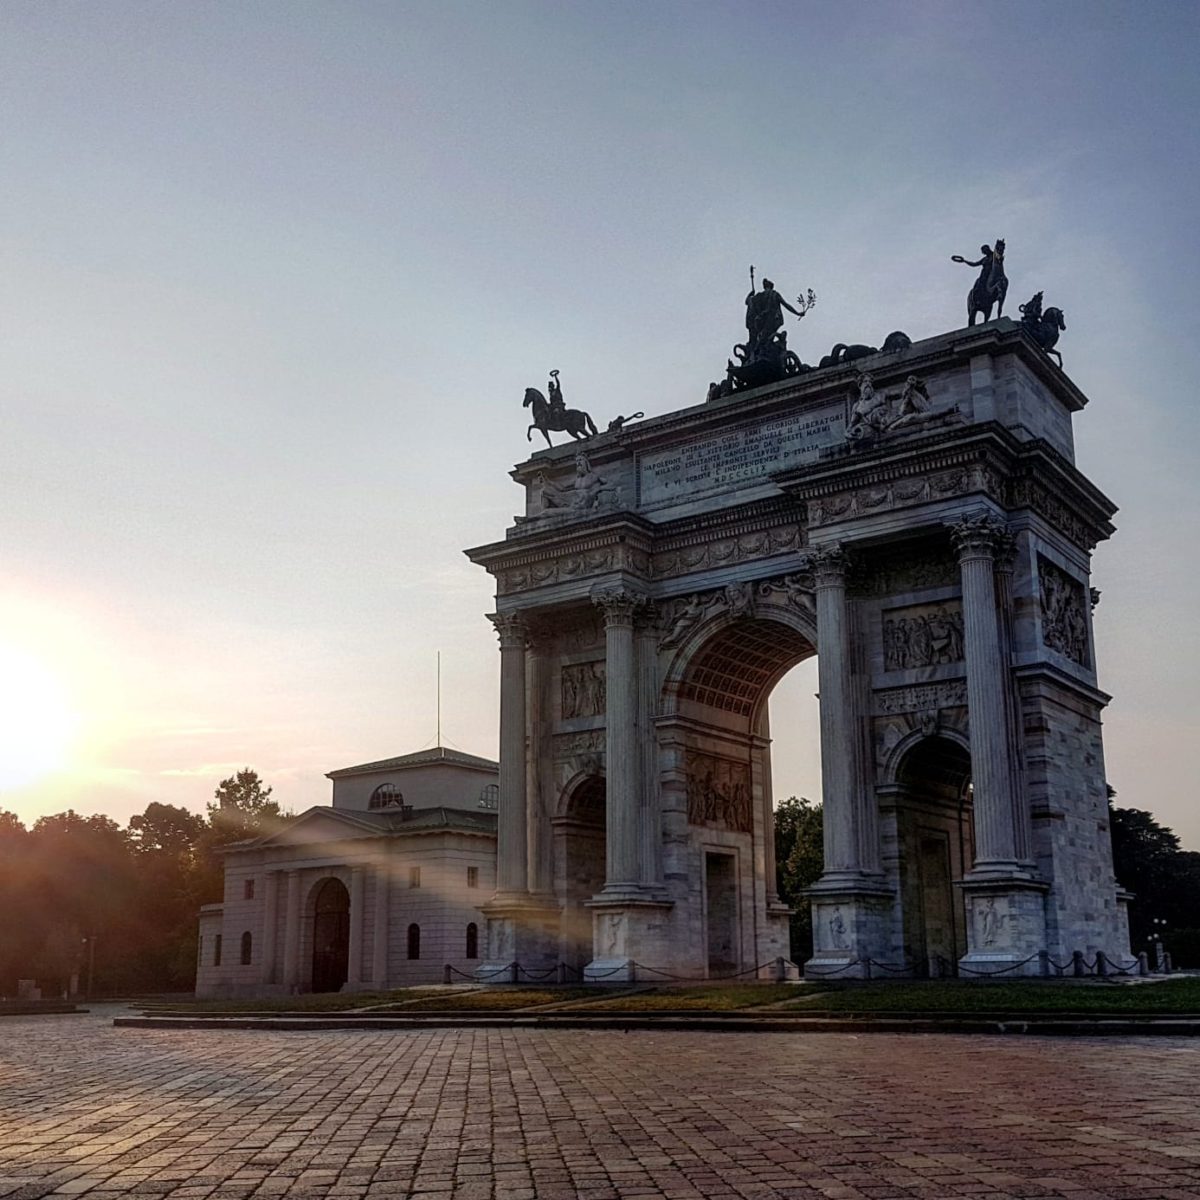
x=553, y=414
x=612, y=934
x=1043, y=327
x=991, y=921
x=837, y=930
x=992, y=285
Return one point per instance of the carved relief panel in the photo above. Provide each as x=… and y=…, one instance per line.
x=1064, y=613
x=718, y=792
x=583, y=690
x=923, y=635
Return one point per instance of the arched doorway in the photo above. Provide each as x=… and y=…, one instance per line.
x=580, y=860
x=331, y=936
x=717, y=723
x=934, y=840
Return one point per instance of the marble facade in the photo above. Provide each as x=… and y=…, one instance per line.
x=940, y=572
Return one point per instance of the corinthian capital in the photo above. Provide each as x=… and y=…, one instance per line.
x=619, y=605
x=980, y=535
x=829, y=565
x=511, y=630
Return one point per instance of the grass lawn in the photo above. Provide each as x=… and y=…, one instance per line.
x=972, y=996
x=496, y=999
x=700, y=998
x=315, y=1002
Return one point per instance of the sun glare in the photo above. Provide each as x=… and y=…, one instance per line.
x=36, y=720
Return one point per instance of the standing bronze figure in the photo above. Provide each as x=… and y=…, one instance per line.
x=992, y=285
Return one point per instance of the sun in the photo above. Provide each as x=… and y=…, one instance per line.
x=36, y=719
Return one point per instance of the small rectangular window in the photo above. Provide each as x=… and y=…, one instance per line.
x=217, y=951
x=472, y=877
x=248, y=892
x=414, y=876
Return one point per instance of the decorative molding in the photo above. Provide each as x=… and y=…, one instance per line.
x=618, y=605
x=922, y=635
x=1064, y=613
x=829, y=566
x=726, y=551
x=677, y=618
x=572, y=745
x=980, y=535
x=888, y=576
x=1028, y=493
x=920, y=697
x=578, y=564
x=890, y=494
x=511, y=629
x=718, y=792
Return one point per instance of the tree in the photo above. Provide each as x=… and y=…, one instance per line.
x=799, y=861
x=243, y=809
x=244, y=793
x=165, y=829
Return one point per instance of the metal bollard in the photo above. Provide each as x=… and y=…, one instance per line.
x=1166, y=962
x=1143, y=963
x=562, y=972
x=446, y=973
x=1077, y=967
x=1044, y=963
x=780, y=969
x=1101, y=963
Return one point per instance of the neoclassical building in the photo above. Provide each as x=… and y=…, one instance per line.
x=917, y=521
x=380, y=889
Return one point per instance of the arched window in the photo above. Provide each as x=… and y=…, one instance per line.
x=472, y=940
x=490, y=796
x=386, y=795
x=247, y=946
x=414, y=941
x=217, y=951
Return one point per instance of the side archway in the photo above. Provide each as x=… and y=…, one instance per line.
x=580, y=862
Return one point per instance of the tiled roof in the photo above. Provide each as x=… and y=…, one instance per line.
x=421, y=758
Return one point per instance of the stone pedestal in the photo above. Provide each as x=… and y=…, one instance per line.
x=851, y=927
x=625, y=933
x=1006, y=929
x=522, y=941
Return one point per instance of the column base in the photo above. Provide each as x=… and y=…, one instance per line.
x=630, y=927
x=522, y=939
x=851, y=925
x=1006, y=925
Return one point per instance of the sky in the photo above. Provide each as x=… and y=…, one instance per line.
x=274, y=278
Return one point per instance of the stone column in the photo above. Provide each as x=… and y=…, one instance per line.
x=379, y=947
x=646, y=650
x=512, y=848
x=977, y=540
x=763, y=753
x=270, y=922
x=841, y=748
x=622, y=753
x=357, y=921
x=291, y=933
x=540, y=780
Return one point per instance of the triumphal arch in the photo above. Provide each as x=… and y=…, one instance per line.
x=915, y=519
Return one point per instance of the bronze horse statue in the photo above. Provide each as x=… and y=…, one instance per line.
x=547, y=417
x=1043, y=327
x=992, y=285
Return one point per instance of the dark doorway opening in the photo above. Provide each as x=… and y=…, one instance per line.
x=331, y=937
x=721, y=910
x=581, y=859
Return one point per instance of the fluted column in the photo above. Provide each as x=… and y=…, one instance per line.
x=621, y=743
x=977, y=540
x=646, y=651
x=512, y=850
x=379, y=947
x=291, y=932
x=840, y=741
x=357, y=920
x=767, y=799
x=270, y=923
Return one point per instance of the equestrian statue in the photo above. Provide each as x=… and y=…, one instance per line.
x=1043, y=327
x=992, y=285
x=553, y=414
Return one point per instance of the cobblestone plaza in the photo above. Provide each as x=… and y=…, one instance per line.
x=516, y=1114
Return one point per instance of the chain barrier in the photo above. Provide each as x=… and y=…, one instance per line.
x=1000, y=971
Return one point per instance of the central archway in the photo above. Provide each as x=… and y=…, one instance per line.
x=331, y=936
x=716, y=721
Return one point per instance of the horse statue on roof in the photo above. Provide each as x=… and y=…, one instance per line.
x=991, y=287
x=553, y=414
x=1043, y=327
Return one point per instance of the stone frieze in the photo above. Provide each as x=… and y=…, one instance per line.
x=718, y=792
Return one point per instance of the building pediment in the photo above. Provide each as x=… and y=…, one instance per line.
x=320, y=824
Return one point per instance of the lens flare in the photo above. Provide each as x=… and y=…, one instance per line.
x=36, y=719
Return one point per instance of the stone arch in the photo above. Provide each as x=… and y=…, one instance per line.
x=927, y=815
x=580, y=861
x=328, y=905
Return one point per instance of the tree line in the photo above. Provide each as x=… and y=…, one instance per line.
x=81, y=892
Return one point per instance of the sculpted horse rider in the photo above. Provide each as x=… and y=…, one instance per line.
x=553, y=414
x=992, y=285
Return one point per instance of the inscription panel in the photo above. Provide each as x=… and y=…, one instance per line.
x=738, y=455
